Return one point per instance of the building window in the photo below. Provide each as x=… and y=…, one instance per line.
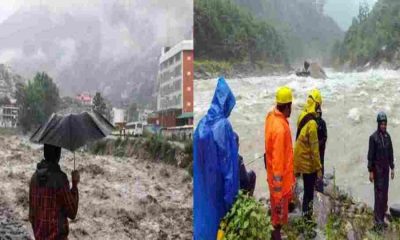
x=177, y=70
x=177, y=57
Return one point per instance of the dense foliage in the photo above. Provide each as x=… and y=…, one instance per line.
x=223, y=31
x=248, y=219
x=100, y=105
x=307, y=32
x=37, y=101
x=374, y=36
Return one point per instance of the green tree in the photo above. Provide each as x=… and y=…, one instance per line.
x=374, y=36
x=37, y=101
x=224, y=31
x=99, y=104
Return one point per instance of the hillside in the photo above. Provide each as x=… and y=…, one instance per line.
x=227, y=33
x=307, y=31
x=373, y=39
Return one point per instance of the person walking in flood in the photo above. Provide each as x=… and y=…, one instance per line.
x=306, y=151
x=380, y=160
x=51, y=200
x=215, y=165
x=279, y=159
x=322, y=138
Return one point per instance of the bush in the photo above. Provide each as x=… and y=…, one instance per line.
x=98, y=147
x=119, y=152
x=188, y=148
x=118, y=142
x=335, y=227
x=248, y=219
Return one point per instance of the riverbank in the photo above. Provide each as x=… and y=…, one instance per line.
x=206, y=69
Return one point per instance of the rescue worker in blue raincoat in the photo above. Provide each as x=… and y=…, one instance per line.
x=380, y=159
x=215, y=165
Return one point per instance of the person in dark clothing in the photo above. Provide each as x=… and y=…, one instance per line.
x=51, y=200
x=380, y=159
x=247, y=179
x=322, y=138
x=306, y=66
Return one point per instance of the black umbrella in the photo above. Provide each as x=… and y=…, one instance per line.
x=72, y=131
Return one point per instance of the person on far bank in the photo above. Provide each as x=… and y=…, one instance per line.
x=51, y=200
x=306, y=151
x=279, y=159
x=380, y=160
x=322, y=138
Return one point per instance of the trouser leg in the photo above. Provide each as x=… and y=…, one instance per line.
x=309, y=181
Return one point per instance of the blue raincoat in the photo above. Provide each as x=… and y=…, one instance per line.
x=216, y=166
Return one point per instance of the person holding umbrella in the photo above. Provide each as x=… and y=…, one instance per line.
x=51, y=200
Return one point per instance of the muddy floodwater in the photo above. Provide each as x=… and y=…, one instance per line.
x=120, y=198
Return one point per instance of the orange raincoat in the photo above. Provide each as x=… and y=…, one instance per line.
x=279, y=155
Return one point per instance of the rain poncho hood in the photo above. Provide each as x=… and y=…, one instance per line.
x=216, y=166
x=306, y=150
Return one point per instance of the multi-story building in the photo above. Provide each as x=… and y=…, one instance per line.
x=175, y=85
x=9, y=116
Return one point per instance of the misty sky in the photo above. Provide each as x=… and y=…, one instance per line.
x=343, y=11
x=91, y=44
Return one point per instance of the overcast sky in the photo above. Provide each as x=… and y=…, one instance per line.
x=343, y=11
x=165, y=22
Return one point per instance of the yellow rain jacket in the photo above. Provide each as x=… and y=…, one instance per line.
x=306, y=150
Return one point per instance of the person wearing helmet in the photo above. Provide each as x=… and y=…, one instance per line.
x=380, y=159
x=279, y=159
x=322, y=138
x=306, y=151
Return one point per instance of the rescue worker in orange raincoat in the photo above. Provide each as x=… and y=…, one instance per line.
x=306, y=151
x=279, y=159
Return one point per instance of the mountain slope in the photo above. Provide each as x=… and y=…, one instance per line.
x=308, y=33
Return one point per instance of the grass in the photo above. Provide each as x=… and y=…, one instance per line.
x=8, y=131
